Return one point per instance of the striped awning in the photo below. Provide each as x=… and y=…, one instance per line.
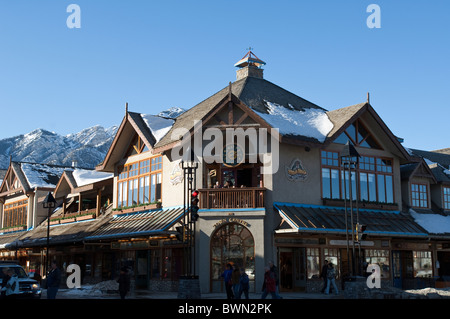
x=145, y=223
x=324, y=219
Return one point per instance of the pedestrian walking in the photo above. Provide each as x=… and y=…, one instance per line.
x=53, y=281
x=323, y=274
x=235, y=278
x=243, y=284
x=269, y=286
x=274, y=269
x=331, y=279
x=124, y=282
x=227, y=281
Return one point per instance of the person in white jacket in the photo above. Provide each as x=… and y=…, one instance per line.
x=12, y=286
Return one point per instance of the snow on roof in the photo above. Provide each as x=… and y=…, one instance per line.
x=432, y=164
x=310, y=122
x=433, y=223
x=41, y=175
x=158, y=126
x=85, y=176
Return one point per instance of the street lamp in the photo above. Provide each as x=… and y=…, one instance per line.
x=49, y=203
x=349, y=160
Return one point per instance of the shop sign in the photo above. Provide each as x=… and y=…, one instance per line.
x=176, y=176
x=296, y=172
x=231, y=220
x=337, y=242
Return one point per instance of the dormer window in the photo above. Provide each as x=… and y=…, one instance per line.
x=419, y=195
x=446, y=195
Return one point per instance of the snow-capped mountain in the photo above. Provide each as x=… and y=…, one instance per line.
x=87, y=148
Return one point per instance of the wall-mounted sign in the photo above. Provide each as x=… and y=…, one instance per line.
x=233, y=155
x=231, y=220
x=176, y=176
x=296, y=172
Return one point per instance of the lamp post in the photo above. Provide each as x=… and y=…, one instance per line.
x=349, y=160
x=49, y=203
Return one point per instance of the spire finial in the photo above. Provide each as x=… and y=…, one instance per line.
x=126, y=108
x=368, y=97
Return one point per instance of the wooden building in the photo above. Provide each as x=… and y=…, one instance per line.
x=287, y=194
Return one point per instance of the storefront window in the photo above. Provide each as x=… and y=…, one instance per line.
x=313, y=266
x=379, y=257
x=422, y=264
x=231, y=243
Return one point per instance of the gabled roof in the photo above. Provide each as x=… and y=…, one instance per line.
x=33, y=175
x=418, y=169
x=255, y=93
x=344, y=117
x=150, y=128
x=80, y=177
x=438, y=163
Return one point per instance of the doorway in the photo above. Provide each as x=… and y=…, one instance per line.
x=292, y=269
x=402, y=262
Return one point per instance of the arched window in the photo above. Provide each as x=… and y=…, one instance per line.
x=231, y=243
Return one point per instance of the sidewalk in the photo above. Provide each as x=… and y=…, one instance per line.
x=145, y=294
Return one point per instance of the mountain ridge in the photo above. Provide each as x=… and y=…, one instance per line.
x=87, y=148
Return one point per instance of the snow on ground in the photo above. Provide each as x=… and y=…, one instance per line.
x=433, y=223
x=311, y=122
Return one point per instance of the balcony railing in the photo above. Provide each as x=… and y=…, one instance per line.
x=246, y=197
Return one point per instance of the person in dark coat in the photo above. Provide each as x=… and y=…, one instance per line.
x=269, y=286
x=243, y=284
x=227, y=281
x=274, y=270
x=124, y=282
x=53, y=281
x=323, y=275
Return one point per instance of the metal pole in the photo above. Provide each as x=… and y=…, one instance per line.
x=351, y=217
x=184, y=217
x=47, y=259
x=346, y=222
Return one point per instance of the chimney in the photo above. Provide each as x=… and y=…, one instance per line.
x=249, y=65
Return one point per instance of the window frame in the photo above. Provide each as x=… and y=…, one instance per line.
x=368, y=165
x=419, y=192
x=129, y=179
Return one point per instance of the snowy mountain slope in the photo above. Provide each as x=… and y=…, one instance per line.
x=87, y=147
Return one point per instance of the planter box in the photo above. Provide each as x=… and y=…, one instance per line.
x=8, y=230
x=67, y=220
x=85, y=217
x=139, y=208
x=54, y=222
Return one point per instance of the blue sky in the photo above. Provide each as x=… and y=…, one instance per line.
x=159, y=54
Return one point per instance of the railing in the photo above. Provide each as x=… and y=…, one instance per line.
x=245, y=197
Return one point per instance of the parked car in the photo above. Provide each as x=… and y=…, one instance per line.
x=28, y=288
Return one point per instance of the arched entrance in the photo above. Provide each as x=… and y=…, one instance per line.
x=231, y=243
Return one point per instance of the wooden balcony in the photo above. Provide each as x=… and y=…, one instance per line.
x=218, y=198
